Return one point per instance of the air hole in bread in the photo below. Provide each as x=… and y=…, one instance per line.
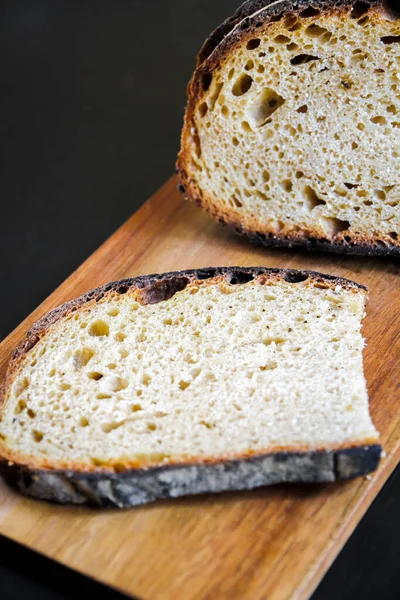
x=95, y=375
x=390, y=39
x=99, y=328
x=108, y=427
x=200, y=274
x=302, y=109
x=207, y=424
x=289, y=21
x=266, y=104
x=379, y=120
x=278, y=341
x=80, y=359
x=196, y=144
x=113, y=312
x=266, y=176
x=146, y=379
x=120, y=336
x=301, y=59
x=363, y=21
x=287, y=185
x=215, y=94
x=253, y=43
x=249, y=65
x=20, y=407
x=206, y=81
x=83, y=422
x=282, y=39
x=309, y=12
x=113, y=383
x=239, y=277
x=333, y=226
x=295, y=277
x=311, y=198
x=242, y=85
x=315, y=30
x=122, y=289
x=37, y=436
x=359, y=9
x=202, y=110
x=22, y=385
x=136, y=407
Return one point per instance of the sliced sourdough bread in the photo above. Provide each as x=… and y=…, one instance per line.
x=189, y=382
x=292, y=130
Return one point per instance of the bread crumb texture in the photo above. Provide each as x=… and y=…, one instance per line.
x=217, y=370
x=295, y=130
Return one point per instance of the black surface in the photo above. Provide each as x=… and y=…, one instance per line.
x=91, y=104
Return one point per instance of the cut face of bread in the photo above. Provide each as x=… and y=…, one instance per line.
x=213, y=368
x=292, y=130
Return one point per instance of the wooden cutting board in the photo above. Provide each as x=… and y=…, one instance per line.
x=274, y=543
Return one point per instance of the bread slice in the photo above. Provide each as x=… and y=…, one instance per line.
x=292, y=128
x=190, y=382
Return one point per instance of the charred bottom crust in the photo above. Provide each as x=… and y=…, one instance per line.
x=324, y=245
x=140, y=486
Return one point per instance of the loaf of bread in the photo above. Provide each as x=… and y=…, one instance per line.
x=190, y=382
x=292, y=128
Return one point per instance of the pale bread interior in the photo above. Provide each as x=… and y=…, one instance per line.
x=217, y=370
x=297, y=131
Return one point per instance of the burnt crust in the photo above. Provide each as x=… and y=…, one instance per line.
x=243, y=25
x=139, y=486
x=310, y=243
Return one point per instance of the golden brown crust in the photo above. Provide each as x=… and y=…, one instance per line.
x=249, y=18
x=151, y=289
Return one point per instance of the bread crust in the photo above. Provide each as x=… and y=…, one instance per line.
x=276, y=10
x=235, y=30
x=108, y=485
x=139, y=486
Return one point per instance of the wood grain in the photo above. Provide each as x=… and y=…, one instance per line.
x=273, y=543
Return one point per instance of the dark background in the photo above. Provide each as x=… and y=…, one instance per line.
x=91, y=105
